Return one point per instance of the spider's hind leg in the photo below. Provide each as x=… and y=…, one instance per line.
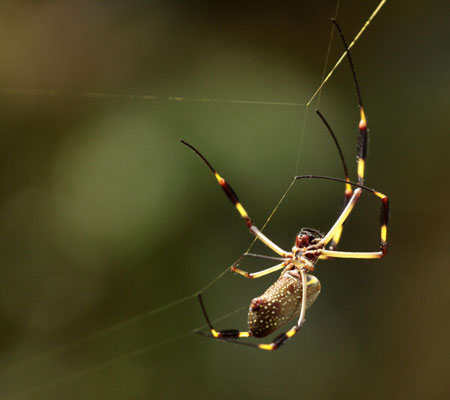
x=226, y=334
x=230, y=193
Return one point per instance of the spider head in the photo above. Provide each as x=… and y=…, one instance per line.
x=307, y=237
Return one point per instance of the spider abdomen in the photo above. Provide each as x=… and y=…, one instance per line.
x=280, y=303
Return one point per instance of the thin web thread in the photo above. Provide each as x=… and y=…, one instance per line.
x=117, y=360
x=300, y=145
x=139, y=97
x=141, y=317
x=305, y=116
x=361, y=31
x=325, y=66
x=112, y=329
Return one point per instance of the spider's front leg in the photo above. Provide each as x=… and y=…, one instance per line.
x=239, y=207
x=384, y=220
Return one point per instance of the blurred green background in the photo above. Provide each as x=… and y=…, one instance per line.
x=104, y=215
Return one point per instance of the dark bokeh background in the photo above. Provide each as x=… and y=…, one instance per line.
x=104, y=215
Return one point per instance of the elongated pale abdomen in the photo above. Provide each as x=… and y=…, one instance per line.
x=280, y=303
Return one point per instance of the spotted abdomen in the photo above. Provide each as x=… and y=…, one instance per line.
x=280, y=303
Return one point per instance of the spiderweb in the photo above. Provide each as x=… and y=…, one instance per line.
x=83, y=371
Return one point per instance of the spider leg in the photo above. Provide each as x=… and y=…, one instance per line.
x=342, y=218
x=258, y=274
x=384, y=220
x=348, y=188
x=224, y=334
x=361, y=151
x=361, y=155
x=239, y=207
x=361, y=148
x=349, y=196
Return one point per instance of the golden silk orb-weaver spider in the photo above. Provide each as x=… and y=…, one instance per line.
x=296, y=289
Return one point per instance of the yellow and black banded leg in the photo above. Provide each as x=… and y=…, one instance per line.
x=348, y=188
x=361, y=153
x=227, y=334
x=361, y=150
x=384, y=220
x=361, y=146
x=259, y=274
x=362, y=140
x=239, y=207
x=337, y=228
x=347, y=196
x=360, y=156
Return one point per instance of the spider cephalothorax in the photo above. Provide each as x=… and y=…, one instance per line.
x=307, y=246
x=313, y=234
x=307, y=237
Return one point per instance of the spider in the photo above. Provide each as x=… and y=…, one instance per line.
x=296, y=289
